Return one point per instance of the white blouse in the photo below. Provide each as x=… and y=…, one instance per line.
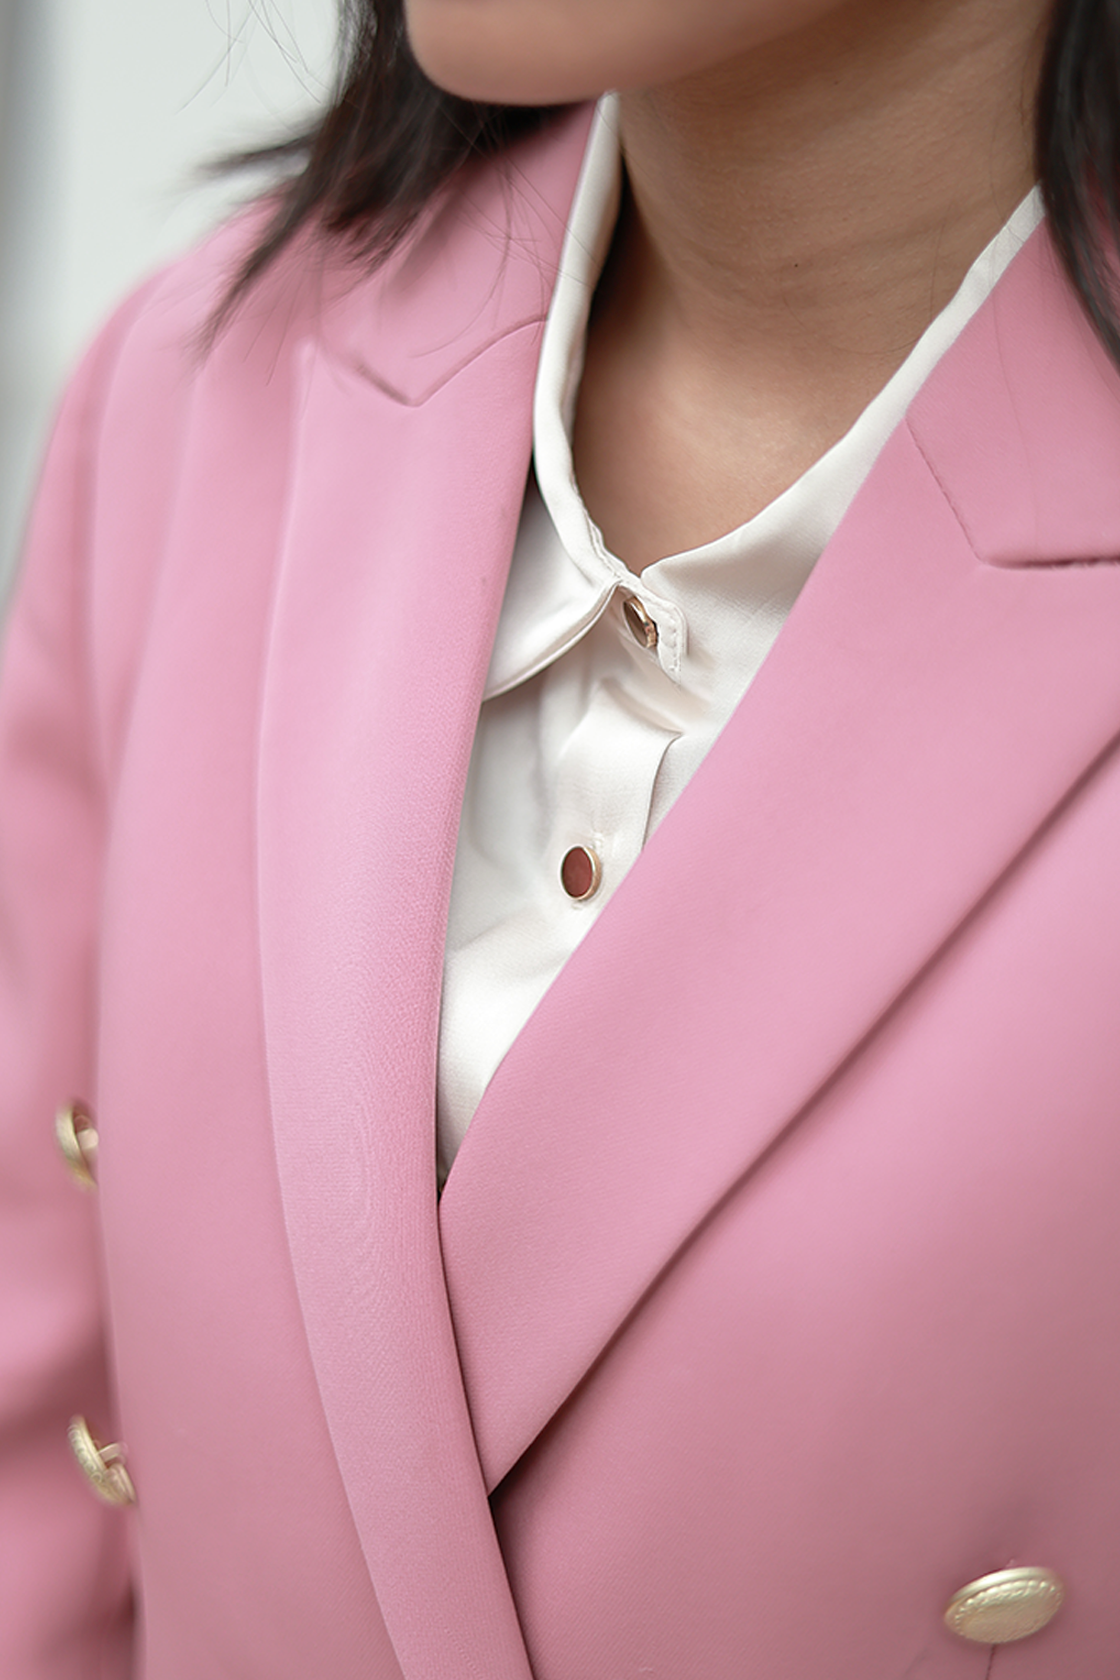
x=606, y=689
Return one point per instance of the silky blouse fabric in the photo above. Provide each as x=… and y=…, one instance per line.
x=585, y=738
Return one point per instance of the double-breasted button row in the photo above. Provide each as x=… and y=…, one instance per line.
x=101, y=1464
x=995, y=1609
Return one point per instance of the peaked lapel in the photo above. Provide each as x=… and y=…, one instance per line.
x=942, y=683
x=410, y=461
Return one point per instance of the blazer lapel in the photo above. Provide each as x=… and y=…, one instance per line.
x=934, y=697
x=410, y=461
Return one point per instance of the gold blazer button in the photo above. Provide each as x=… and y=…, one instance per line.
x=76, y=1135
x=103, y=1467
x=1008, y=1605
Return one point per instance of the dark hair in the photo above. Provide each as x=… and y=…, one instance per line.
x=1077, y=152
x=387, y=142
x=390, y=139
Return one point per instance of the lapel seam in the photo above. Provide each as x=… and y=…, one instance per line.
x=950, y=499
x=357, y=365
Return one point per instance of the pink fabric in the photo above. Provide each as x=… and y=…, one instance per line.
x=772, y=1296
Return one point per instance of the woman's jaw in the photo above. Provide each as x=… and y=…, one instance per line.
x=556, y=52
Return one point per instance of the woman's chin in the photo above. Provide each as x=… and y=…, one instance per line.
x=461, y=46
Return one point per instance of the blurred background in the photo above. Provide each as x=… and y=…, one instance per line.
x=108, y=111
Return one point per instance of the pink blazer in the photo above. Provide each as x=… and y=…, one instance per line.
x=774, y=1294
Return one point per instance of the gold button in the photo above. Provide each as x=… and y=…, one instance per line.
x=640, y=625
x=77, y=1139
x=1008, y=1605
x=103, y=1467
x=580, y=873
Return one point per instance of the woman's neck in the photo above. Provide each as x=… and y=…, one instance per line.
x=794, y=220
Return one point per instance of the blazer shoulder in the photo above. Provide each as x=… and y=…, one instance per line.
x=158, y=418
x=144, y=396
x=496, y=216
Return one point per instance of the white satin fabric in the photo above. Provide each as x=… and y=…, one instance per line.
x=585, y=737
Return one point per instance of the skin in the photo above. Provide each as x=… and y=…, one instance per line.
x=807, y=183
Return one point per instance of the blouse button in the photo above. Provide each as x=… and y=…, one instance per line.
x=640, y=625
x=581, y=872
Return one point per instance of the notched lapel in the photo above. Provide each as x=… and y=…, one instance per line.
x=921, y=714
x=1024, y=437
x=400, y=527
x=481, y=265
x=365, y=741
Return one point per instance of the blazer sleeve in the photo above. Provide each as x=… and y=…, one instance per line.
x=64, y=1586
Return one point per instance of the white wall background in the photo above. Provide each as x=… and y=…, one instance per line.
x=107, y=110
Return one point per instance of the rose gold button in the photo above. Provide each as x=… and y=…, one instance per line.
x=103, y=1467
x=1011, y=1604
x=580, y=872
x=640, y=625
x=76, y=1136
